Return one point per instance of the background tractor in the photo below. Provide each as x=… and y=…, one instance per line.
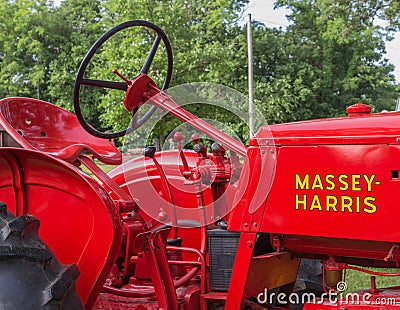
x=193, y=229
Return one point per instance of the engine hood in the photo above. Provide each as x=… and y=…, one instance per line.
x=380, y=128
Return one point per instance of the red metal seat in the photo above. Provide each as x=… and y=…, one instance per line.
x=42, y=126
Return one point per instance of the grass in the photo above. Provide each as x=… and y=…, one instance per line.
x=357, y=280
x=104, y=167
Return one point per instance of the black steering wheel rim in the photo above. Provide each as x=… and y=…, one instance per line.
x=120, y=85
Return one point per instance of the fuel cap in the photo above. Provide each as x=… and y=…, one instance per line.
x=358, y=109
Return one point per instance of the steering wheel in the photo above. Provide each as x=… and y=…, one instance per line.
x=123, y=86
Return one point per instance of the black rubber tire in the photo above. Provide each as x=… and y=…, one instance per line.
x=30, y=275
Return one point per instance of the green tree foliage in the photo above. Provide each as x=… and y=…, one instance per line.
x=330, y=56
x=202, y=34
x=25, y=48
x=42, y=45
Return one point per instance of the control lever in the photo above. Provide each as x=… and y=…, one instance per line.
x=198, y=147
x=178, y=138
x=150, y=152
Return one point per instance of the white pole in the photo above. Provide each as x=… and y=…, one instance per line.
x=250, y=75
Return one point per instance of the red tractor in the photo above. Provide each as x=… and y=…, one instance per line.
x=314, y=194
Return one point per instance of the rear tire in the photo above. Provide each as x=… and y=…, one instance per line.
x=30, y=275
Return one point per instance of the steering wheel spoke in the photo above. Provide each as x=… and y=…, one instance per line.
x=105, y=84
x=150, y=56
x=124, y=86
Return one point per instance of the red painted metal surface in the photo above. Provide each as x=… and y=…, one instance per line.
x=236, y=292
x=166, y=103
x=42, y=126
x=317, y=188
x=358, y=109
x=78, y=219
x=188, y=299
x=136, y=93
x=141, y=179
x=343, y=186
x=380, y=128
x=152, y=244
x=331, y=172
x=253, y=186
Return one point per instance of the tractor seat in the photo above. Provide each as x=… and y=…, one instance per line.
x=42, y=126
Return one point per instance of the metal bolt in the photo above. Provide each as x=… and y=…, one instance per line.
x=249, y=244
x=254, y=224
x=246, y=225
x=262, y=151
x=3, y=207
x=398, y=140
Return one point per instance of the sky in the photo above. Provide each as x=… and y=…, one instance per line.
x=263, y=10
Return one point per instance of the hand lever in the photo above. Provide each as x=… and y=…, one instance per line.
x=115, y=71
x=198, y=147
x=178, y=138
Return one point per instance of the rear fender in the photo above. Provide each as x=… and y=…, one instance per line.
x=78, y=218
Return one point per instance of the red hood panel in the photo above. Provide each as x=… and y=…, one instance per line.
x=370, y=129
